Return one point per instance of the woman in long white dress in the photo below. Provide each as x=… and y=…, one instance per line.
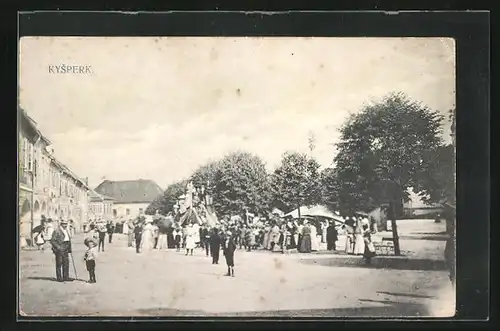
x=359, y=241
x=147, y=237
x=190, y=239
x=314, y=237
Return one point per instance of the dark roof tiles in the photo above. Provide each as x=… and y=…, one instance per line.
x=130, y=191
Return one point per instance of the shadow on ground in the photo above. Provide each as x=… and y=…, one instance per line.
x=410, y=295
x=379, y=262
x=53, y=279
x=388, y=309
x=432, y=237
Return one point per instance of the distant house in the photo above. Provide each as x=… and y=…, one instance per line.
x=130, y=197
x=100, y=206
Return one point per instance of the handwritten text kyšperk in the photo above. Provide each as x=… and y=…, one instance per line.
x=69, y=69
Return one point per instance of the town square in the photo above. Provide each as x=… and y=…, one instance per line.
x=291, y=189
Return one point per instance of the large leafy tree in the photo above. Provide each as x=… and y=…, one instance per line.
x=296, y=181
x=383, y=149
x=165, y=202
x=240, y=184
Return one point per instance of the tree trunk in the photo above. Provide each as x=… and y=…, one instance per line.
x=298, y=209
x=395, y=236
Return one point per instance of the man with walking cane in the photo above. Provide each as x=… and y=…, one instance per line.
x=61, y=246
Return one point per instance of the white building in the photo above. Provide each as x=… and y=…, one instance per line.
x=130, y=197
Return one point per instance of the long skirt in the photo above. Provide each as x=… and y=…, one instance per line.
x=190, y=242
x=359, y=244
x=265, y=242
x=305, y=244
x=147, y=241
x=315, y=242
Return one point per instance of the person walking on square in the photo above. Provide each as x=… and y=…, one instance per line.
x=147, y=240
x=131, y=228
x=177, y=234
x=359, y=242
x=215, y=243
x=162, y=236
x=205, y=238
x=331, y=237
x=90, y=258
x=229, y=247
x=305, y=241
x=102, y=230
x=110, y=227
x=191, y=237
x=138, y=236
x=156, y=234
x=39, y=232
x=369, y=249
x=61, y=246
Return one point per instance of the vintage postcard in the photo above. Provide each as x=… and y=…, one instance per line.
x=236, y=176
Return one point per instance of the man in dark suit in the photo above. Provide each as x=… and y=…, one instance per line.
x=215, y=242
x=138, y=236
x=229, y=247
x=61, y=246
x=331, y=237
x=205, y=239
x=111, y=229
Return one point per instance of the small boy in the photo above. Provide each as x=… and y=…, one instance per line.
x=90, y=257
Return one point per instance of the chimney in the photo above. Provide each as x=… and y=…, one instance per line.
x=86, y=181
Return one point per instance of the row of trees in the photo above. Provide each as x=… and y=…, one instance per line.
x=385, y=149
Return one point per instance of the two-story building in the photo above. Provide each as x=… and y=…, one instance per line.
x=100, y=206
x=131, y=197
x=46, y=186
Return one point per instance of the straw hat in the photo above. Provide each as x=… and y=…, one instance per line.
x=88, y=240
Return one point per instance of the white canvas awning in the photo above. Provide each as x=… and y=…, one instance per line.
x=316, y=211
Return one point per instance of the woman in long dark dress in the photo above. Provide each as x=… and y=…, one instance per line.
x=305, y=244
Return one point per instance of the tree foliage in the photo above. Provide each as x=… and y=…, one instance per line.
x=382, y=150
x=240, y=183
x=165, y=202
x=296, y=182
x=205, y=174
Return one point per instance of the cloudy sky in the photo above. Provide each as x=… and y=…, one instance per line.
x=157, y=108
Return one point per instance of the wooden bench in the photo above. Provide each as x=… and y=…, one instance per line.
x=385, y=246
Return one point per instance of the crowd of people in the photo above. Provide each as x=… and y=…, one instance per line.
x=148, y=233
x=274, y=234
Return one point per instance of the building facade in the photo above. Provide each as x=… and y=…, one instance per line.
x=130, y=197
x=46, y=186
x=100, y=206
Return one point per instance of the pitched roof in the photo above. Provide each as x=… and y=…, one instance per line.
x=94, y=196
x=130, y=191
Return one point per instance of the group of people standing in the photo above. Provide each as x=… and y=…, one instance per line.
x=359, y=238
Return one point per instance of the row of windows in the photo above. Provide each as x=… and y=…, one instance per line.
x=27, y=156
x=101, y=208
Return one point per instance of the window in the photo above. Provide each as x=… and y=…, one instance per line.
x=140, y=210
x=128, y=211
x=114, y=212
